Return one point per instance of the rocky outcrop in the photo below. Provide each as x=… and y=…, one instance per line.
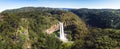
x=52, y=29
x=56, y=27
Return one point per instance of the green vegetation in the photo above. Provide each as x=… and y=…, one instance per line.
x=101, y=18
x=24, y=28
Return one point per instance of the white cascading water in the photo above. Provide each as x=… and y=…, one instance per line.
x=62, y=34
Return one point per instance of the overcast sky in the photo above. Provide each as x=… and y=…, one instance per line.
x=11, y=4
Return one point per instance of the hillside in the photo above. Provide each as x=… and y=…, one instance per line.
x=25, y=27
x=101, y=18
x=103, y=26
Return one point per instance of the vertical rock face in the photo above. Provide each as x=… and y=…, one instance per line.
x=52, y=29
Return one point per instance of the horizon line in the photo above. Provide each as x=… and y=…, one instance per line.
x=60, y=7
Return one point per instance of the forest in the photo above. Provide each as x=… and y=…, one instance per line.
x=23, y=28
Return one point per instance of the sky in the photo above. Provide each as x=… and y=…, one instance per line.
x=97, y=4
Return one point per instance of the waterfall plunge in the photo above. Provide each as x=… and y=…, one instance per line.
x=62, y=35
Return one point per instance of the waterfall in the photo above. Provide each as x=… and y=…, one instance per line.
x=62, y=34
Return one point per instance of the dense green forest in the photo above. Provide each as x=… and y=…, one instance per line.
x=24, y=28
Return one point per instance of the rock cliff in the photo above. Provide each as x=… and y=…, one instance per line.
x=52, y=29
